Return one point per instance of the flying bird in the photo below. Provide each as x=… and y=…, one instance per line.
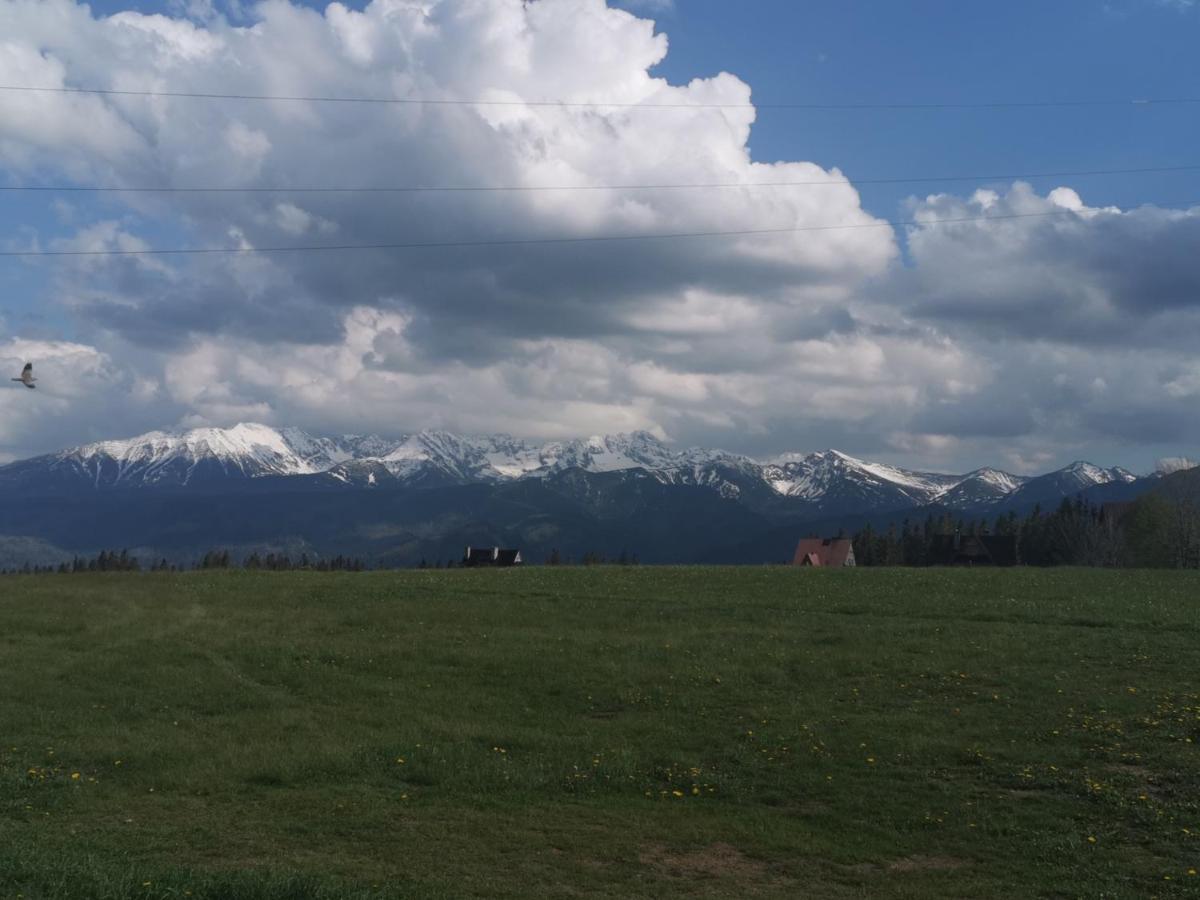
x=27, y=378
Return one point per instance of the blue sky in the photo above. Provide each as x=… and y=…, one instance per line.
x=954, y=52
x=1019, y=344
x=853, y=51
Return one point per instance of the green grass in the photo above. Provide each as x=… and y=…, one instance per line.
x=622, y=732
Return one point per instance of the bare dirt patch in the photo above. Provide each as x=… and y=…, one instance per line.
x=918, y=863
x=714, y=861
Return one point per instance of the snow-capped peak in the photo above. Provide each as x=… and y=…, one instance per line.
x=828, y=479
x=248, y=449
x=815, y=475
x=1003, y=482
x=1087, y=474
x=243, y=438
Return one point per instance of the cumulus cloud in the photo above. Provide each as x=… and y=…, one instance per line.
x=1054, y=268
x=1080, y=322
x=760, y=343
x=1171, y=464
x=78, y=388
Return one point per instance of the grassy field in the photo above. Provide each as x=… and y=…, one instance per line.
x=623, y=732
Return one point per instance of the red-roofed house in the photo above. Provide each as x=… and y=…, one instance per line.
x=836, y=552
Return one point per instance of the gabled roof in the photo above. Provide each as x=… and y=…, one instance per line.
x=823, y=552
x=491, y=556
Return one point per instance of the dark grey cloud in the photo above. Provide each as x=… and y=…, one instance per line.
x=1093, y=277
x=1011, y=341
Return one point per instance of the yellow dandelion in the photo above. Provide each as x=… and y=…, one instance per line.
x=677, y=793
x=74, y=776
x=399, y=760
x=1091, y=839
x=871, y=760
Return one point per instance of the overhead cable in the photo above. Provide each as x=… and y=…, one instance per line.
x=520, y=242
x=520, y=188
x=599, y=104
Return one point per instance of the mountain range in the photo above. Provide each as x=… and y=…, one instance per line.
x=423, y=495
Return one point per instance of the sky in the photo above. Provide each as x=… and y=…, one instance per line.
x=1017, y=308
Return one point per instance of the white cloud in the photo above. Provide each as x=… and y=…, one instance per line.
x=1170, y=464
x=763, y=342
x=80, y=392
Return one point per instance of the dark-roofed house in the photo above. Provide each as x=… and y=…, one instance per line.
x=837, y=552
x=476, y=557
x=973, y=550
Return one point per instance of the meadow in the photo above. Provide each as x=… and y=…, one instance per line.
x=601, y=732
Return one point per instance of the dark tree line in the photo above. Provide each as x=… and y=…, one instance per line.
x=1156, y=531
x=104, y=561
x=121, y=561
x=281, y=562
x=593, y=558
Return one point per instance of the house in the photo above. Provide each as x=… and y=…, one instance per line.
x=973, y=550
x=497, y=557
x=837, y=552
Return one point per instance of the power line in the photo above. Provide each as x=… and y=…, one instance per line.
x=521, y=242
x=420, y=189
x=592, y=104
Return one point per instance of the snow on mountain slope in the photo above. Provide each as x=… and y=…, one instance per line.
x=819, y=476
x=982, y=487
x=500, y=457
x=1066, y=482
x=1085, y=474
x=828, y=480
x=247, y=450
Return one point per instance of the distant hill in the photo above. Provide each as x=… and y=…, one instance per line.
x=426, y=495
